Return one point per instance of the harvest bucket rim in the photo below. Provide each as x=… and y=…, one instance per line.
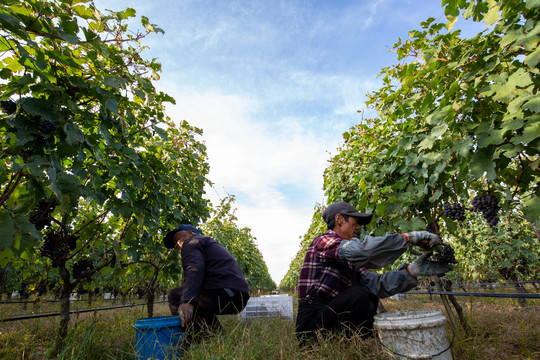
x=408, y=319
x=158, y=322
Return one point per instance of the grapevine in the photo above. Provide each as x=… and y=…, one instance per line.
x=454, y=211
x=507, y=273
x=82, y=268
x=72, y=242
x=444, y=256
x=52, y=244
x=521, y=267
x=47, y=127
x=42, y=215
x=41, y=287
x=488, y=205
x=8, y=106
x=113, y=260
x=432, y=227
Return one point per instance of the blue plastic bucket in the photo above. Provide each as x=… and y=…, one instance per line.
x=158, y=338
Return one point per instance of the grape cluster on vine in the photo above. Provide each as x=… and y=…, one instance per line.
x=521, y=267
x=432, y=227
x=81, y=268
x=488, y=205
x=113, y=260
x=8, y=106
x=454, y=211
x=52, y=244
x=140, y=292
x=507, y=273
x=510, y=272
x=444, y=256
x=46, y=127
x=41, y=288
x=56, y=245
x=41, y=216
x=72, y=242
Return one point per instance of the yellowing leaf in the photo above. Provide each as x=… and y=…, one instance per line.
x=492, y=16
x=451, y=22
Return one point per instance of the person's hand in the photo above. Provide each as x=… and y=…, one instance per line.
x=186, y=314
x=423, y=238
x=424, y=267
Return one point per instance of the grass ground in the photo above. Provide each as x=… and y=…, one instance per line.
x=500, y=330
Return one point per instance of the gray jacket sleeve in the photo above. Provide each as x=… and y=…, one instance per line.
x=373, y=252
x=389, y=283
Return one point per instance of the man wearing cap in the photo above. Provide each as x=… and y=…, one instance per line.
x=213, y=283
x=336, y=291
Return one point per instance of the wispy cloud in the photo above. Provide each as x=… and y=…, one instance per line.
x=246, y=155
x=263, y=167
x=273, y=85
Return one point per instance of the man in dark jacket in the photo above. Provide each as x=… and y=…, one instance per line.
x=213, y=283
x=336, y=291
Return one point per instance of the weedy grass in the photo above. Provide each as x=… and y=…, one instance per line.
x=499, y=331
x=96, y=335
x=274, y=338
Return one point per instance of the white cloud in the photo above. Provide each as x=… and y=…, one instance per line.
x=244, y=152
x=278, y=229
x=254, y=160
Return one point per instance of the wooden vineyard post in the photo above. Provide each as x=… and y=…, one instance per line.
x=459, y=310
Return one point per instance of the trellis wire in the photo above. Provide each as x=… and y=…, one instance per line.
x=474, y=294
x=35, y=316
x=478, y=294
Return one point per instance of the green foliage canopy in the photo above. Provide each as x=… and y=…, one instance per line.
x=83, y=130
x=456, y=118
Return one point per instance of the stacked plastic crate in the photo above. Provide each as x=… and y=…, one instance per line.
x=268, y=306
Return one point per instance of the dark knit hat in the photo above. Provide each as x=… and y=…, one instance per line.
x=344, y=208
x=168, y=240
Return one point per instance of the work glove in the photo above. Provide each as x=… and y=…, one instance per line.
x=424, y=267
x=423, y=238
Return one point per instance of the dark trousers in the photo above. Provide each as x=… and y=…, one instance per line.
x=211, y=303
x=351, y=311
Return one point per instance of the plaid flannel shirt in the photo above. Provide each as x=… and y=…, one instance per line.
x=323, y=274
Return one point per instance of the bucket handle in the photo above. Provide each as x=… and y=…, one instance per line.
x=432, y=355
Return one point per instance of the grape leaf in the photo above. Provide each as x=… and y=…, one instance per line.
x=7, y=229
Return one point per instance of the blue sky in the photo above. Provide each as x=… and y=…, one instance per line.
x=274, y=85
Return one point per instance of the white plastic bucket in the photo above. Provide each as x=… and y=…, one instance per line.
x=414, y=334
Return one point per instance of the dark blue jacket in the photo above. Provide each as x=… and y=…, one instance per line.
x=207, y=265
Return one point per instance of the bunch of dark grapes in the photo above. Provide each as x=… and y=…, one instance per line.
x=41, y=216
x=72, y=242
x=488, y=205
x=454, y=211
x=432, y=227
x=51, y=244
x=47, y=127
x=8, y=106
x=41, y=288
x=140, y=293
x=506, y=273
x=113, y=260
x=521, y=267
x=81, y=267
x=445, y=256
